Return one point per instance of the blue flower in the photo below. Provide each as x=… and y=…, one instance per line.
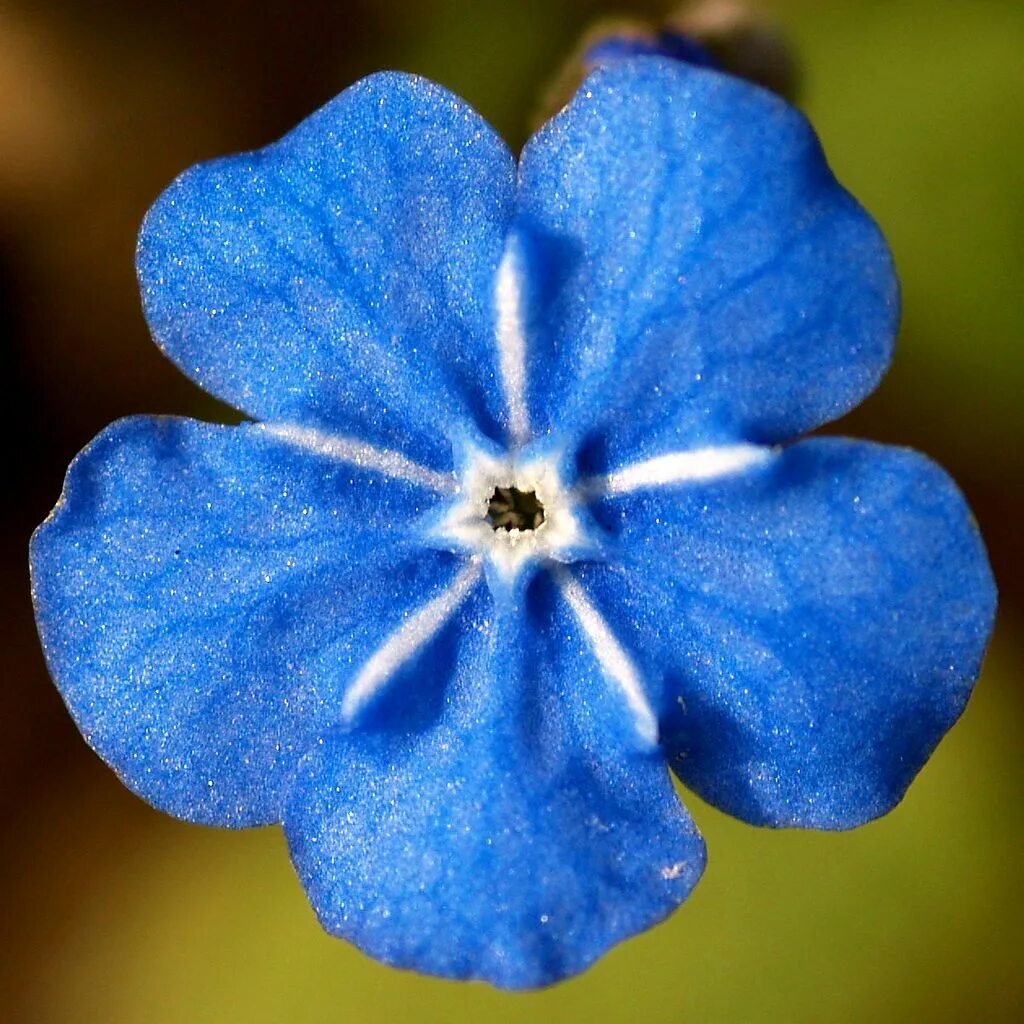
x=516, y=522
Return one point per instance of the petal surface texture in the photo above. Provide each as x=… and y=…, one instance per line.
x=343, y=277
x=496, y=817
x=695, y=273
x=816, y=624
x=205, y=593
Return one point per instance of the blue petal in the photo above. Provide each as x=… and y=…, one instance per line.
x=817, y=625
x=625, y=45
x=204, y=593
x=342, y=276
x=696, y=273
x=497, y=818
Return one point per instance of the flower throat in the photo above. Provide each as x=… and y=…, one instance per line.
x=511, y=509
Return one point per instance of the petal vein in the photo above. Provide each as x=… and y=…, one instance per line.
x=611, y=656
x=678, y=467
x=511, y=338
x=416, y=631
x=359, y=453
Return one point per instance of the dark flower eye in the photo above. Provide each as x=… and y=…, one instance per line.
x=508, y=508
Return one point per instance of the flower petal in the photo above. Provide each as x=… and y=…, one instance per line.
x=626, y=43
x=816, y=623
x=204, y=595
x=697, y=275
x=343, y=276
x=497, y=817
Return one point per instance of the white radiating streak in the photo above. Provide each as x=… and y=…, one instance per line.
x=679, y=467
x=614, y=661
x=417, y=630
x=511, y=338
x=359, y=453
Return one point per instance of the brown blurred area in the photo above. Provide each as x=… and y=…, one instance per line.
x=101, y=105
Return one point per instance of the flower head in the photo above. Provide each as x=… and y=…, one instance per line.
x=519, y=519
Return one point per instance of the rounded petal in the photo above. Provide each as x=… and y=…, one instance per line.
x=816, y=624
x=205, y=593
x=696, y=274
x=343, y=276
x=495, y=819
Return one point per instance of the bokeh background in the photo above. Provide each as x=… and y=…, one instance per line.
x=112, y=912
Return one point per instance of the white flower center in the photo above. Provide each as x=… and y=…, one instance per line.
x=511, y=511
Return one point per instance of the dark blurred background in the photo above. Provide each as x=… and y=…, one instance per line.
x=112, y=912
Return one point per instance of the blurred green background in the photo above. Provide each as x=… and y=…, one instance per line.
x=115, y=913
